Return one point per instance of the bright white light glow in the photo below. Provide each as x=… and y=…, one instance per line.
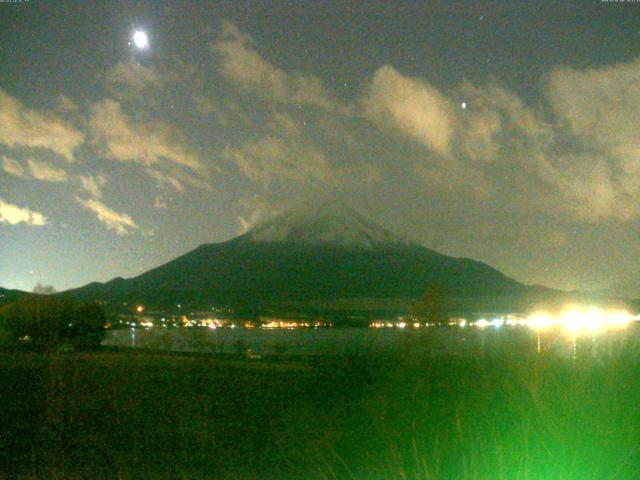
x=574, y=319
x=539, y=321
x=582, y=320
x=140, y=39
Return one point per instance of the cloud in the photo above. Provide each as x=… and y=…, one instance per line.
x=465, y=144
x=135, y=76
x=496, y=145
x=163, y=179
x=285, y=124
x=12, y=214
x=40, y=170
x=127, y=141
x=412, y=106
x=205, y=105
x=600, y=108
x=245, y=68
x=287, y=155
x=497, y=124
x=12, y=167
x=93, y=184
x=580, y=160
x=258, y=208
x=23, y=127
x=159, y=203
x=121, y=223
x=270, y=159
x=44, y=171
x=66, y=105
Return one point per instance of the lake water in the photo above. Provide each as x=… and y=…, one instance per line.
x=343, y=341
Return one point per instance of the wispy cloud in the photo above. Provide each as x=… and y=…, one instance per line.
x=159, y=203
x=165, y=179
x=580, y=158
x=12, y=167
x=134, y=76
x=93, y=184
x=157, y=146
x=270, y=159
x=413, y=106
x=129, y=141
x=46, y=172
x=257, y=208
x=121, y=223
x=38, y=169
x=25, y=127
x=601, y=109
x=243, y=66
x=13, y=215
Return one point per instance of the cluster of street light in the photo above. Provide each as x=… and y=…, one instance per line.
x=574, y=319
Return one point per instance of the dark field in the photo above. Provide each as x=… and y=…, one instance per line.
x=144, y=415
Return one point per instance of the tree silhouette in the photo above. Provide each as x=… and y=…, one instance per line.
x=42, y=322
x=44, y=289
x=434, y=306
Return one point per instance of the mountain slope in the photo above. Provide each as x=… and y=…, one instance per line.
x=329, y=252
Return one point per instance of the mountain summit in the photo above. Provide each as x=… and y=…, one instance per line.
x=331, y=223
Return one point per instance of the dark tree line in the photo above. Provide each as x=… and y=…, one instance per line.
x=44, y=322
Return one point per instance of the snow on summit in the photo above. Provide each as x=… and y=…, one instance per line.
x=330, y=223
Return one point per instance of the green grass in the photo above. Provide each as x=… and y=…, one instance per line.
x=132, y=415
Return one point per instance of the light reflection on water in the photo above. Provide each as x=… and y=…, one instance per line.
x=340, y=341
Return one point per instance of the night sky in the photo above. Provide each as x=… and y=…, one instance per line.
x=508, y=132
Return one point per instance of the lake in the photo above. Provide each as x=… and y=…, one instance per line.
x=431, y=341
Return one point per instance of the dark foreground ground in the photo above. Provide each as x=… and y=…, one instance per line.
x=142, y=415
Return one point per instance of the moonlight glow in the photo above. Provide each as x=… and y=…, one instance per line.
x=140, y=39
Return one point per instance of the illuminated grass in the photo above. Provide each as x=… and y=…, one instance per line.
x=507, y=415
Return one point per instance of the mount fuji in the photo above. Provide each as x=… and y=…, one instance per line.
x=308, y=254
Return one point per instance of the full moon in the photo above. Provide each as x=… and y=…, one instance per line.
x=140, y=39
